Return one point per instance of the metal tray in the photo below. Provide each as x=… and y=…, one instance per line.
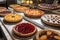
x=2, y=35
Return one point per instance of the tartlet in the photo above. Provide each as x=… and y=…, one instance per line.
x=47, y=35
x=24, y=29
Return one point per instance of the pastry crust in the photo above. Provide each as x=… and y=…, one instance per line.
x=33, y=13
x=13, y=18
x=51, y=23
x=24, y=35
x=38, y=33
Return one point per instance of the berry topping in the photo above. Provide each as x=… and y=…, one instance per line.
x=25, y=28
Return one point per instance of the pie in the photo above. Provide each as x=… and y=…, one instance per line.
x=24, y=29
x=21, y=8
x=13, y=18
x=33, y=13
x=4, y=11
x=51, y=19
x=47, y=6
x=14, y=5
x=47, y=35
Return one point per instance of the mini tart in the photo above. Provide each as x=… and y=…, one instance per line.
x=13, y=18
x=14, y=5
x=47, y=6
x=6, y=12
x=33, y=13
x=51, y=19
x=47, y=35
x=24, y=29
x=21, y=8
x=3, y=9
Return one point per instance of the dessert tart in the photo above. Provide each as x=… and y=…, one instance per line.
x=33, y=13
x=47, y=6
x=47, y=35
x=14, y=5
x=21, y=8
x=13, y=18
x=24, y=29
x=51, y=19
x=3, y=9
x=5, y=12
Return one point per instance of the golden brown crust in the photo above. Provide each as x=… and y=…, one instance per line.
x=33, y=13
x=20, y=34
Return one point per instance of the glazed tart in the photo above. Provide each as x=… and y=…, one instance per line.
x=14, y=5
x=24, y=29
x=5, y=12
x=51, y=19
x=13, y=18
x=33, y=13
x=47, y=35
x=21, y=8
x=47, y=6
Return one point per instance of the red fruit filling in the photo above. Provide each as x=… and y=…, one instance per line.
x=25, y=28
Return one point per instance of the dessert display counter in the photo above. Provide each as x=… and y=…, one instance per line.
x=30, y=22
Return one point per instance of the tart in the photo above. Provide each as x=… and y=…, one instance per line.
x=24, y=29
x=47, y=6
x=5, y=12
x=3, y=9
x=14, y=5
x=21, y=8
x=13, y=18
x=33, y=13
x=47, y=35
x=51, y=19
